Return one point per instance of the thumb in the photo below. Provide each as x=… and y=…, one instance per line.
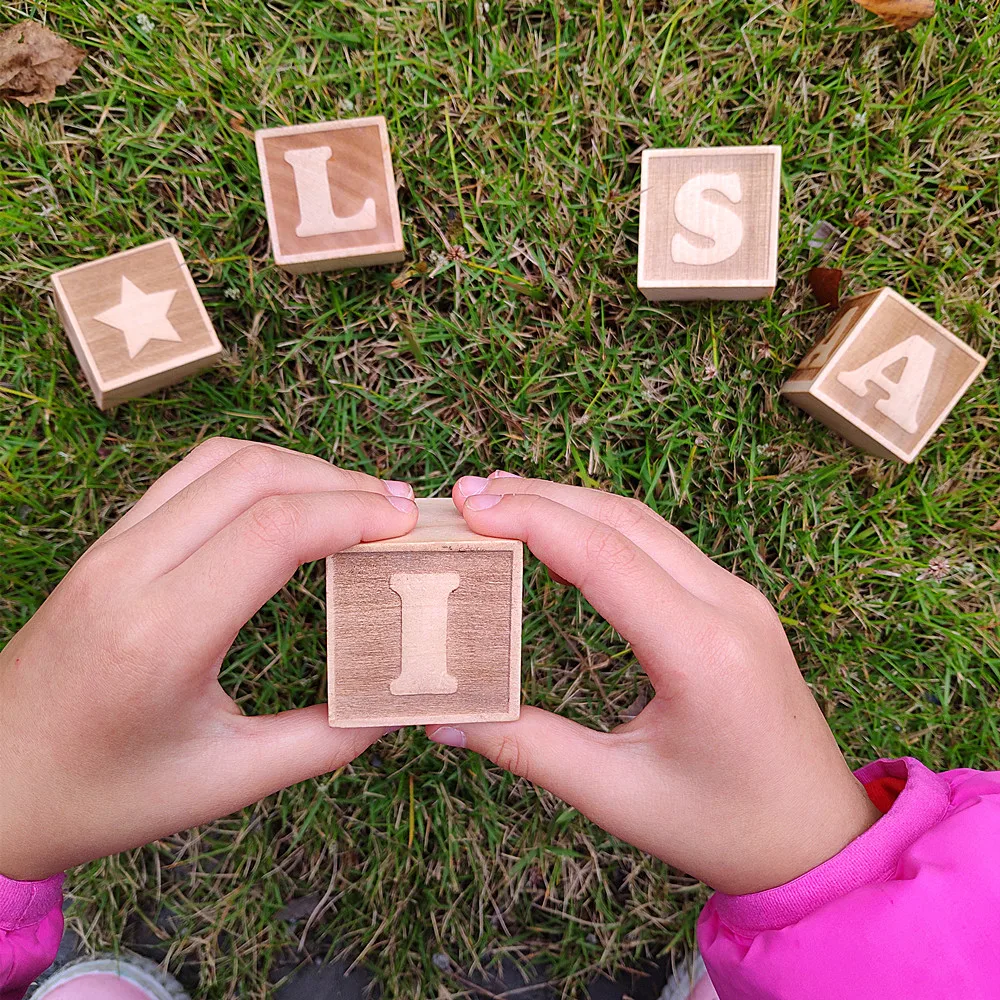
x=274, y=751
x=579, y=765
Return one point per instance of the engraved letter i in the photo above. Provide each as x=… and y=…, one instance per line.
x=424, y=597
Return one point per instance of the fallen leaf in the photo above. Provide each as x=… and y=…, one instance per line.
x=825, y=285
x=236, y=122
x=901, y=14
x=995, y=527
x=34, y=61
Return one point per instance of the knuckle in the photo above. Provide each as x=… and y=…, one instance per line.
x=274, y=522
x=135, y=638
x=257, y=464
x=759, y=608
x=510, y=756
x=214, y=450
x=624, y=513
x=82, y=585
x=725, y=643
x=606, y=548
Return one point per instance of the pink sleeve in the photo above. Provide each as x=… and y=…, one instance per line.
x=31, y=926
x=908, y=910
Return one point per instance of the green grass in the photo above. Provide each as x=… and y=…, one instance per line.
x=516, y=131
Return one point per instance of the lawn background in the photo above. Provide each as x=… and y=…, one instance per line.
x=516, y=131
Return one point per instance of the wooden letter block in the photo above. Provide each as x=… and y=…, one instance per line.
x=136, y=321
x=425, y=628
x=885, y=375
x=330, y=194
x=708, y=223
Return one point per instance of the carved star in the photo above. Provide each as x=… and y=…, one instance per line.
x=141, y=317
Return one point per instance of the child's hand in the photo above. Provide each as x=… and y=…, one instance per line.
x=730, y=772
x=114, y=730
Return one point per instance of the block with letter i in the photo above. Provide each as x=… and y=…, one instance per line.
x=425, y=628
x=330, y=194
x=136, y=321
x=708, y=223
x=885, y=376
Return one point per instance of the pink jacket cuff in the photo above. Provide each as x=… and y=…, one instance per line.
x=31, y=926
x=25, y=903
x=908, y=911
x=871, y=858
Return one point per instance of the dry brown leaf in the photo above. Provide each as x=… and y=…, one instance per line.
x=825, y=284
x=34, y=61
x=901, y=14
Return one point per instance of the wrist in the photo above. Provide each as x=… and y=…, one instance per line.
x=815, y=828
x=20, y=858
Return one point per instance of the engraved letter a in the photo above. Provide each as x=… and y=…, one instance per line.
x=904, y=397
x=715, y=222
x=424, y=597
x=316, y=214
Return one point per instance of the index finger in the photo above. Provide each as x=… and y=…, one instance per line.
x=216, y=590
x=202, y=459
x=643, y=602
x=659, y=539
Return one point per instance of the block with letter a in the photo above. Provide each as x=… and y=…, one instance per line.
x=708, y=222
x=330, y=194
x=136, y=321
x=885, y=376
x=425, y=628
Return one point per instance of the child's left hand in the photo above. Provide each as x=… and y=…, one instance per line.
x=114, y=730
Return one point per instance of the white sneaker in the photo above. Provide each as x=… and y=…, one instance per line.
x=690, y=982
x=110, y=977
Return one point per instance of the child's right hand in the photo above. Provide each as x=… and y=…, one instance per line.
x=114, y=730
x=730, y=772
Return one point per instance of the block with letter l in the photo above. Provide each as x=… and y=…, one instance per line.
x=425, y=628
x=330, y=194
x=885, y=376
x=708, y=222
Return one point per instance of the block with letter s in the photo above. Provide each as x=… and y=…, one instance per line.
x=708, y=222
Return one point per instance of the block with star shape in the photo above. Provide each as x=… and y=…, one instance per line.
x=136, y=321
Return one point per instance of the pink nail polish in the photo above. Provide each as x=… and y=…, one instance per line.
x=483, y=501
x=403, y=504
x=500, y=474
x=469, y=486
x=447, y=736
x=398, y=489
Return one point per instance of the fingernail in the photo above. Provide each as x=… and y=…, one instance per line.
x=469, y=486
x=398, y=489
x=448, y=737
x=483, y=501
x=500, y=474
x=404, y=504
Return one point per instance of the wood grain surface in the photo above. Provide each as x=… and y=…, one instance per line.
x=884, y=323
x=359, y=168
x=480, y=619
x=84, y=292
x=708, y=222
